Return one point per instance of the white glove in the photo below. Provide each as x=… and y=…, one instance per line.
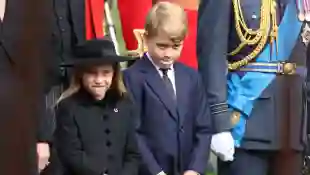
x=222, y=144
x=161, y=173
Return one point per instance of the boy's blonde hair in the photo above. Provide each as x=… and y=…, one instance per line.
x=169, y=18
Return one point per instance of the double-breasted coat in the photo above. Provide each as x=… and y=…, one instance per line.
x=96, y=137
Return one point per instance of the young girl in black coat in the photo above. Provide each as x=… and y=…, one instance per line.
x=95, y=130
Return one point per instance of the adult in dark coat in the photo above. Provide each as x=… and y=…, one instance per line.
x=24, y=35
x=75, y=21
x=269, y=118
x=68, y=30
x=95, y=131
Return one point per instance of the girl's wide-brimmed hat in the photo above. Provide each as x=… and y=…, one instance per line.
x=95, y=52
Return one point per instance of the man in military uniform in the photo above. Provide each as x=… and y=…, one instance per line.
x=252, y=57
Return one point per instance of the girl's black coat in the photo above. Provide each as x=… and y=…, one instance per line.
x=96, y=138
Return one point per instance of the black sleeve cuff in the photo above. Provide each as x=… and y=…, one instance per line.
x=221, y=117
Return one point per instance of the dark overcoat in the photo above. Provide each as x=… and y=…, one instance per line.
x=96, y=137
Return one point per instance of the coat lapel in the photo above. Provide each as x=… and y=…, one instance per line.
x=156, y=84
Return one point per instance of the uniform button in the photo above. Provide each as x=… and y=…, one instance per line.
x=63, y=30
x=60, y=17
x=107, y=131
x=254, y=16
x=108, y=143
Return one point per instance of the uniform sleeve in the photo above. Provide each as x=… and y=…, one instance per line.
x=212, y=49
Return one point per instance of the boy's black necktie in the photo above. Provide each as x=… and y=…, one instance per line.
x=168, y=83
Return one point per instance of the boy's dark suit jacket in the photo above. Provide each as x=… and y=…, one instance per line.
x=172, y=137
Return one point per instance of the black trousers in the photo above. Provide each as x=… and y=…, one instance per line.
x=253, y=162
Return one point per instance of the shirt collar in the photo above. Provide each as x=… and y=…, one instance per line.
x=157, y=67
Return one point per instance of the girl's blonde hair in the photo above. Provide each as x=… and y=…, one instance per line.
x=76, y=83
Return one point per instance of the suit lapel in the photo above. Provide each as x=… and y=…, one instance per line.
x=181, y=84
x=156, y=84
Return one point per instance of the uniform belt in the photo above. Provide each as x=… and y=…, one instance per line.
x=281, y=68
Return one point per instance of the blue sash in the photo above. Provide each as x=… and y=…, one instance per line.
x=243, y=91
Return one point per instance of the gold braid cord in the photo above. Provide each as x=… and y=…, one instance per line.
x=139, y=35
x=268, y=29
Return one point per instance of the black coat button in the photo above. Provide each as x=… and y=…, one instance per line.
x=107, y=131
x=105, y=117
x=108, y=143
